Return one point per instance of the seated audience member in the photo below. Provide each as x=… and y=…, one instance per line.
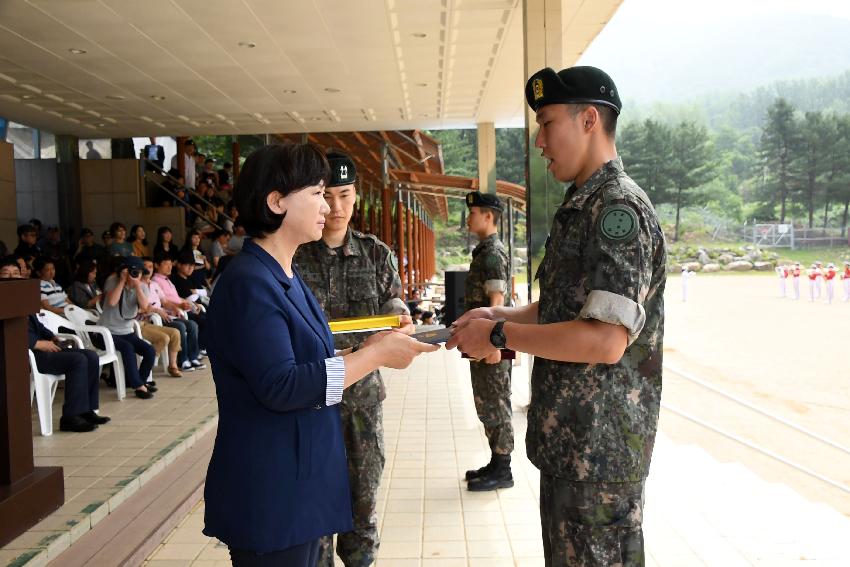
x=53, y=297
x=416, y=315
x=220, y=240
x=123, y=298
x=106, y=238
x=81, y=369
x=56, y=250
x=138, y=238
x=186, y=288
x=3, y=250
x=230, y=218
x=165, y=244
x=25, y=266
x=9, y=268
x=85, y=292
x=427, y=318
x=88, y=250
x=238, y=238
x=161, y=337
x=209, y=175
x=39, y=230
x=201, y=264
x=174, y=306
x=27, y=239
x=119, y=245
x=225, y=175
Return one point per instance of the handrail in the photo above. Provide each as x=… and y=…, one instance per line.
x=199, y=212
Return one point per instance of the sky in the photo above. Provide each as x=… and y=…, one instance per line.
x=679, y=49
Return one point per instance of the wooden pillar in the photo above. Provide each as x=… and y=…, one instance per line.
x=27, y=493
x=411, y=263
x=402, y=272
x=416, y=250
x=386, y=215
x=423, y=251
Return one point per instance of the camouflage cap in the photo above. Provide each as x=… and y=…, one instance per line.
x=574, y=85
x=343, y=171
x=479, y=199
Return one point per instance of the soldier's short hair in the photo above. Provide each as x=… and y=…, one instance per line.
x=607, y=115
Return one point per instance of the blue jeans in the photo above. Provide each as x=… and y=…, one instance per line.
x=188, y=339
x=129, y=346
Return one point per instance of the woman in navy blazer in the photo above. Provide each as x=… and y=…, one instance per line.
x=278, y=480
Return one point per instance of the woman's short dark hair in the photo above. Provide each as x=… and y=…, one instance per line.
x=113, y=228
x=187, y=244
x=83, y=270
x=284, y=168
x=132, y=237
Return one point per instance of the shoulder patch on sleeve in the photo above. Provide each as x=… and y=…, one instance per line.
x=618, y=223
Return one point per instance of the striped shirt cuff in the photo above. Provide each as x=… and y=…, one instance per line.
x=335, y=368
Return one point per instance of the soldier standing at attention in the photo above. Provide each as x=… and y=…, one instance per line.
x=795, y=273
x=354, y=274
x=596, y=332
x=487, y=286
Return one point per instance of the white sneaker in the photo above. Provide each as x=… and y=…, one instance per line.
x=187, y=366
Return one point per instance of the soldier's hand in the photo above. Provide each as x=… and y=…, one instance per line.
x=479, y=313
x=407, y=327
x=397, y=350
x=494, y=358
x=473, y=338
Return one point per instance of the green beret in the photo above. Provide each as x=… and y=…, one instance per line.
x=343, y=171
x=479, y=199
x=574, y=85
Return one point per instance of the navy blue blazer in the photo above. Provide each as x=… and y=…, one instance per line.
x=278, y=476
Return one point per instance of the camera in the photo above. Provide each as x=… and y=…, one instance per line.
x=134, y=272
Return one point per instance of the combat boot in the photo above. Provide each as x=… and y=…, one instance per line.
x=477, y=473
x=499, y=476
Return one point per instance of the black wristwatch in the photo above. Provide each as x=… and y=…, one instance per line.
x=497, y=335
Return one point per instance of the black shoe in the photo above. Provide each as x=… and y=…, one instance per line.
x=197, y=364
x=499, y=476
x=151, y=383
x=110, y=381
x=144, y=395
x=478, y=473
x=151, y=387
x=76, y=424
x=92, y=417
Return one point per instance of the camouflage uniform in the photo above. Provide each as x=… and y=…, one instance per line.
x=591, y=427
x=359, y=278
x=491, y=383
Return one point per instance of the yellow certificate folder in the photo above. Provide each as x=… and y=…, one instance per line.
x=373, y=323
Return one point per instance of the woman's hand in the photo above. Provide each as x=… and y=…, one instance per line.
x=397, y=350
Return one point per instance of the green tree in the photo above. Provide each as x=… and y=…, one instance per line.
x=691, y=166
x=814, y=138
x=837, y=164
x=779, y=147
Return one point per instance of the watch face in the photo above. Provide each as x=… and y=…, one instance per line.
x=497, y=335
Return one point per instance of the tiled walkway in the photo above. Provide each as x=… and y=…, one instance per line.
x=104, y=467
x=699, y=511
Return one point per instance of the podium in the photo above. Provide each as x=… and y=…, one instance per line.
x=27, y=493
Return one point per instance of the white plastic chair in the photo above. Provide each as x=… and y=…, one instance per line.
x=80, y=319
x=43, y=387
x=156, y=319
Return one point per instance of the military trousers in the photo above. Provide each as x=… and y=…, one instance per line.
x=491, y=389
x=363, y=430
x=587, y=524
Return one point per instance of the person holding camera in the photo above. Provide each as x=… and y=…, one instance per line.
x=124, y=297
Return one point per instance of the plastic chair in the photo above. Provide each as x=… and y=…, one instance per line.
x=81, y=321
x=43, y=387
x=165, y=357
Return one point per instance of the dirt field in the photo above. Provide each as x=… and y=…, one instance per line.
x=788, y=357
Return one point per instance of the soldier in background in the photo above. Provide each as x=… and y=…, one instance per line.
x=818, y=270
x=354, y=274
x=813, y=283
x=487, y=286
x=596, y=333
x=686, y=275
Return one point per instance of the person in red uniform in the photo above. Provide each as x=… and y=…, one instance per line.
x=829, y=276
x=845, y=279
x=818, y=268
x=795, y=273
x=813, y=282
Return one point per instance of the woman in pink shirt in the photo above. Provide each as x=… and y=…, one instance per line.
x=190, y=355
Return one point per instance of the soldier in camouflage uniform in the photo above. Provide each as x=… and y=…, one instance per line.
x=486, y=286
x=596, y=331
x=354, y=274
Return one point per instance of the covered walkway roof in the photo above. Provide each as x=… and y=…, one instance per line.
x=111, y=68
